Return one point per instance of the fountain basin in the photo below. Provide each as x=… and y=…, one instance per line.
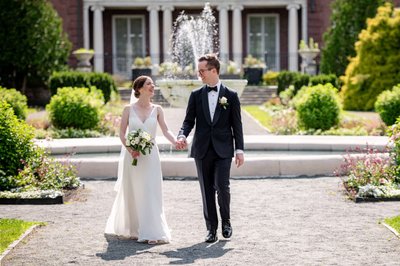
x=177, y=92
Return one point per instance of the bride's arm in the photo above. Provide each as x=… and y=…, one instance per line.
x=124, y=125
x=163, y=125
x=122, y=131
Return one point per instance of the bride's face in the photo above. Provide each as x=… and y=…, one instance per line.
x=148, y=88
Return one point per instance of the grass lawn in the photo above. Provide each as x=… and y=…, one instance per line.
x=11, y=230
x=394, y=222
x=283, y=121
x=259, y=114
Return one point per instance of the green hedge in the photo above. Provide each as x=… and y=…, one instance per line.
x=102, y=81
x=75, y=107
x=16, y=100
x=298, y=80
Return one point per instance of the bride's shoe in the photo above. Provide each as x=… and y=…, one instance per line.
x=152, y=242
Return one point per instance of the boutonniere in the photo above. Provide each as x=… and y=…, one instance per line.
x=223, y=102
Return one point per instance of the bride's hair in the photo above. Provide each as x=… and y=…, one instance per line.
x=139, y=83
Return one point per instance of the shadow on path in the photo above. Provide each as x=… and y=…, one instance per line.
x=198, y=251
x=119, y=248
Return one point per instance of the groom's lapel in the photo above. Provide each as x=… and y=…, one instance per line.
x=206, y=108
x=218, y=108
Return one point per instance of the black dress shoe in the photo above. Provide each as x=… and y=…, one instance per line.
x=226, y=229
x=211, y=236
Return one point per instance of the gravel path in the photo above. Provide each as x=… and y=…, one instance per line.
x=283, y=221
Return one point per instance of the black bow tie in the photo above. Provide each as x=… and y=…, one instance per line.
x=212, y=88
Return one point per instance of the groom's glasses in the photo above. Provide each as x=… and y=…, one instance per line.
x=202, y=71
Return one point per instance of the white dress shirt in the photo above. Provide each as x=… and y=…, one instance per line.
x=213, y=99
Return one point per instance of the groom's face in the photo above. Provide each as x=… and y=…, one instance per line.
x=206, y=73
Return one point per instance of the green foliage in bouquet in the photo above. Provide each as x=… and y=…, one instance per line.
x=375, y=67
x=387, y=105
x=16, y=100
x=317, y=107
x=75, y=107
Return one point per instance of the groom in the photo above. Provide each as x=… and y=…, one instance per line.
x=215, y=110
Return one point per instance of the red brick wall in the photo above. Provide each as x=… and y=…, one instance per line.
x=71, y=12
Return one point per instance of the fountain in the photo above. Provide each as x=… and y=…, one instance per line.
x=192, y=38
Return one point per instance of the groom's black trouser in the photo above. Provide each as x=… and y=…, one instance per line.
x=214, y=173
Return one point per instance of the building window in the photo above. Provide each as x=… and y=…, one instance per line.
x=263, y=39
x=128, y=42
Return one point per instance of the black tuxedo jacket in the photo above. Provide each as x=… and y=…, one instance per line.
x=225, y=132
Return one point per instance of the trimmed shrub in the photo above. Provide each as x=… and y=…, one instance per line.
x=75, y=107
x=394, y=133
x=387, y=105
x=16, y=100
x=317, y=107
x=16, y=143
x=287, y=78
x=102, y=81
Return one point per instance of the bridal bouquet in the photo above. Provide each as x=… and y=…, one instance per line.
x=140, y=141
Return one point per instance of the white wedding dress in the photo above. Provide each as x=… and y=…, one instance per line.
x=138, y=207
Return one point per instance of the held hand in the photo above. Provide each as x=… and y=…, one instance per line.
x=134, y=153
x=239, y=159
x=181, y=144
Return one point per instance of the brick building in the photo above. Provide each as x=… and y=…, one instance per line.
x=120, y=30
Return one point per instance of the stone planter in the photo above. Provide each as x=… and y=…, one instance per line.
x=136, y=72
x=84, y=61
x=308, y=64
x=253, y=75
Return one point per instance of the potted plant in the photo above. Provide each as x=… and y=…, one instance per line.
x=230, y=70
x=83, y=55
x=308, y=53
x=141, y=66
x=253, y=70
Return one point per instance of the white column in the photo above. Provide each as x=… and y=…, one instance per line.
x=86, y=42
x=167, y=31
x=293, y=37
x=304, y=19
x=154, y=35
x=98, y=44
x=237, y=34
x=223, y=32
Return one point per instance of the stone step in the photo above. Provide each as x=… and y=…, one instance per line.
x=266, y=155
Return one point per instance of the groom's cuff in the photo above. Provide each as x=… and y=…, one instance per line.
x=181, y=137
x=239, y=151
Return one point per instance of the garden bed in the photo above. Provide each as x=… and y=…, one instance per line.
x=34, y=201
x=43, y=197
x=363, y=199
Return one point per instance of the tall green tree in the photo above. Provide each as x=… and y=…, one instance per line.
x=347, y=20
x=32, y=42
x=375, y=67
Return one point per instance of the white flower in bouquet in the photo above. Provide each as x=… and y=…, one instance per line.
x=140, y=141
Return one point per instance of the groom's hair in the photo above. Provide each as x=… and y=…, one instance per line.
x=212, y=61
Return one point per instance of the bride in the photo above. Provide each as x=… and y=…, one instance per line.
x=138, y=211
